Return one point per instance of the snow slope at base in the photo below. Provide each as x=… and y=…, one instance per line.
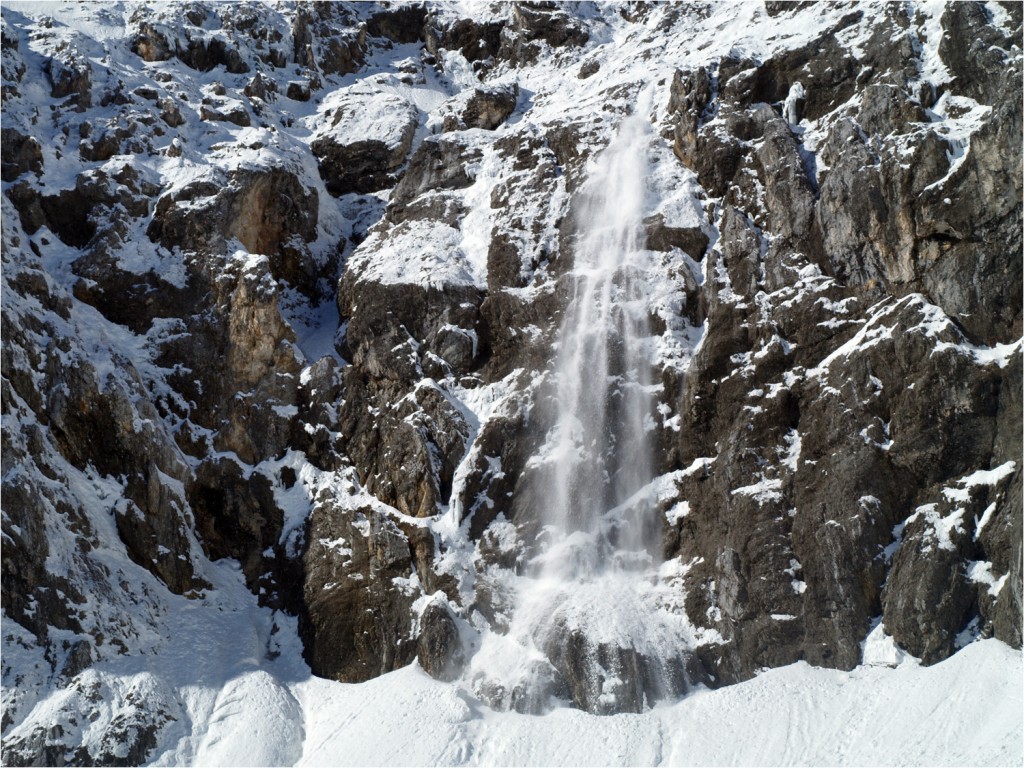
x=965, y=711
x=231, y=677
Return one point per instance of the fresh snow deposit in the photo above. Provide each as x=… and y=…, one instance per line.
x=796, y=715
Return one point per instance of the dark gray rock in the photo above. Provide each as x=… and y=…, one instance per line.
x=661, y=237
x=326, y=39
x=976, y=51
x=21, y=154
x=71, y=75
x=603, y=678
x=155, y=529
x=439, y=648
x=439, y=163
x=486, y=108
x=261, y=87
x=235, y=516
x=886, y=221
x=354, y=162
x=403, y=24
x=170, y=112
x=204, y=54
x=12, y=65
x=536, y=23
x=236, y=114
x=298, y=91
x=405, y=449
x=357, y=621
x=478, y=42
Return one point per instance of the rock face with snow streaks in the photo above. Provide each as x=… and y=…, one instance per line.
x=283, y=287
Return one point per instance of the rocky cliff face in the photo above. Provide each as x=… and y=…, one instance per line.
x=282, y=287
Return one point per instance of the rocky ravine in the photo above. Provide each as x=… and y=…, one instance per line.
x=281, y=285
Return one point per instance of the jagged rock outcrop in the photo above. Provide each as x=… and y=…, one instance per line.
x=485, y=109
x=21, y=154
x=869, y=220
x=353, y=562
x=536, y=23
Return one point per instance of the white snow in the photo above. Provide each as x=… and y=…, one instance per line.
x=262, y=712
x=980, y=572
x=983, y=521
x=237, y=706
x=213, y=662
x=871, y=334
x=792, y=455
x=796, y=92
x=940, y=527
x=765, y=491
x=424, y=252
x=879, y=649
x=981, y=477
x=358, y=114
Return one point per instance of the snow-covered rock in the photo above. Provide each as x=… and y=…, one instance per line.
x=282, y=289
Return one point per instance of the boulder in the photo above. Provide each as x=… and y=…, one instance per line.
x=366, y=139
x=484, y=108
x=439, y=647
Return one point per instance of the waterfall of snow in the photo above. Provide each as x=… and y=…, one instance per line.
x=589, y=625
x=602, y=452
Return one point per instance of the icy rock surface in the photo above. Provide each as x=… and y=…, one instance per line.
x=282, y=291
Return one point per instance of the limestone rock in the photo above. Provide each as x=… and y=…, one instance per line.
x=270, y=212
x=367, y=138
x=21, y=154
x=358, y=622
x=439, y=647
x=150, y=44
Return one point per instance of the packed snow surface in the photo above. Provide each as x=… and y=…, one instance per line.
x=874, y=715
x=232, y=679
x=796, y=715
x=233, y=704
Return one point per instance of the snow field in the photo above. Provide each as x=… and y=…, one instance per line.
x=796, y=715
